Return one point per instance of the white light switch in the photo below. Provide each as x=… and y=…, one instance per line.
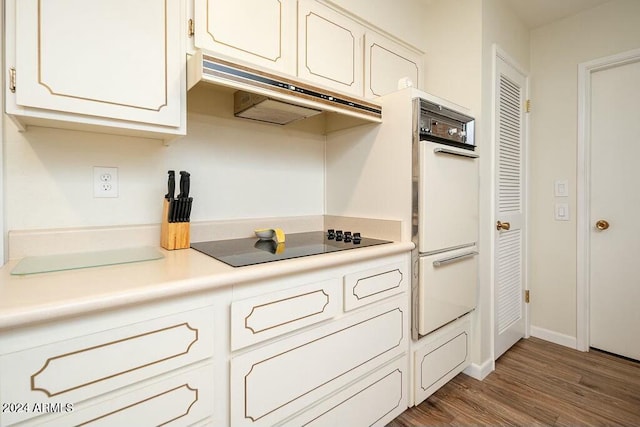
x=562, y=212
x=561, y=188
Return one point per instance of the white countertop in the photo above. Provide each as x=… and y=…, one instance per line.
x=47, y=296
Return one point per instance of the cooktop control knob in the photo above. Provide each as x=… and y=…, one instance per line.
x=356, y=238
x=331, y=234
x=339, y=235
x=347, y=237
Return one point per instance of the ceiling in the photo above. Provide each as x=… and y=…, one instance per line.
x=535, y=13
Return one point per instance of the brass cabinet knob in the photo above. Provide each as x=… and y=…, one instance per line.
x=502, y=226
x=602, y=224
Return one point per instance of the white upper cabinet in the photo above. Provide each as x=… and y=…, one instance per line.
x=259, y=32
x=329, y=48
x=113, y=63
x=387, y=62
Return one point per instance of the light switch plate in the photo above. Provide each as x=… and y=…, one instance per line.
x=562, y=212
x=561, y=188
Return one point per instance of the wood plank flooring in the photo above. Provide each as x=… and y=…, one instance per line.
x=537, y=383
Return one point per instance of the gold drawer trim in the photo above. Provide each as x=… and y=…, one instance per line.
x=195, y=399
x=362, y=281
x=49, y=362
x=256, y=330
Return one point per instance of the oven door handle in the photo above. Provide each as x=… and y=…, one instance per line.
x=455, y=258
x=454, y=153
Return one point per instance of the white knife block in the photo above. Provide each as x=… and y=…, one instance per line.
x=173, y=235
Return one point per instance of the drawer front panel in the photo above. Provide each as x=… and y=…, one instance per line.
x=374, y=401
x=446, y=287
x=276, y=381
x=178, y=400
x=76, y=369
x=365, y=287
x=444, y=356
x=257, y=319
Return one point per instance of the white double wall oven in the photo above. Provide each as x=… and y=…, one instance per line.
x=445, y=216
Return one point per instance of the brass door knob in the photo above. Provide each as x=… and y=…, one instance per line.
x=602, y=224
x=502, y=226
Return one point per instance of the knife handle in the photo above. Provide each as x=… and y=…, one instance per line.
x=185, y=183
x=172, y=185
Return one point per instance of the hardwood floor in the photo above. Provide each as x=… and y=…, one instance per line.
x=538, y=383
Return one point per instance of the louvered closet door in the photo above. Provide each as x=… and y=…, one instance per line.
x=510, y=319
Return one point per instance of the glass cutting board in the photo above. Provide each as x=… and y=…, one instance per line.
x=48, y=263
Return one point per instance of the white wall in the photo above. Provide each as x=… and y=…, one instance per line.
x=239, y=169
x=556, y=51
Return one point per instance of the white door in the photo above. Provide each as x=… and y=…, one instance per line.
x=509, y=283
x=614, y=198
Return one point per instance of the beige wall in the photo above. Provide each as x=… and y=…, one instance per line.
x=556, y=51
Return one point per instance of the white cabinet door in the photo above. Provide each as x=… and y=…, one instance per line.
x=372, y=401
x=439, y=357
x=385, y=63
x=259, y=32
x=329, y=48
x=114, y=59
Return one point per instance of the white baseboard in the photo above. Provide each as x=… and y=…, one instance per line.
x=554, y=337
x=479, y=372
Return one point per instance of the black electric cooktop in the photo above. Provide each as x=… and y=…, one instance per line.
x=250, y=251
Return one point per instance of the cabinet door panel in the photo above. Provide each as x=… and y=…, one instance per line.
x=443, y=355
x=177, y=400
x=386, y=63
x=260, y=32
x=117, y=58
x=274, y=382
x=329, y=48
x=374, y=401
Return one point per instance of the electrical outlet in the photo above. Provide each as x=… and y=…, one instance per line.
x=105, y=182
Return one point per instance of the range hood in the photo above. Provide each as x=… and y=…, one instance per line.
x=275, y=99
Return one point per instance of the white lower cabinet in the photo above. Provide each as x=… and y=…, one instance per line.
x=286, y=350
x=101, y=354
x=439, y=357
x=335, y=367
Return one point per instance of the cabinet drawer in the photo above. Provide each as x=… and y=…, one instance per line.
x=266, y=316
x=444, y=355
x=373, y=401
x=275, y=381
x=179, y=400
x=365, y=287
x=76, y=369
